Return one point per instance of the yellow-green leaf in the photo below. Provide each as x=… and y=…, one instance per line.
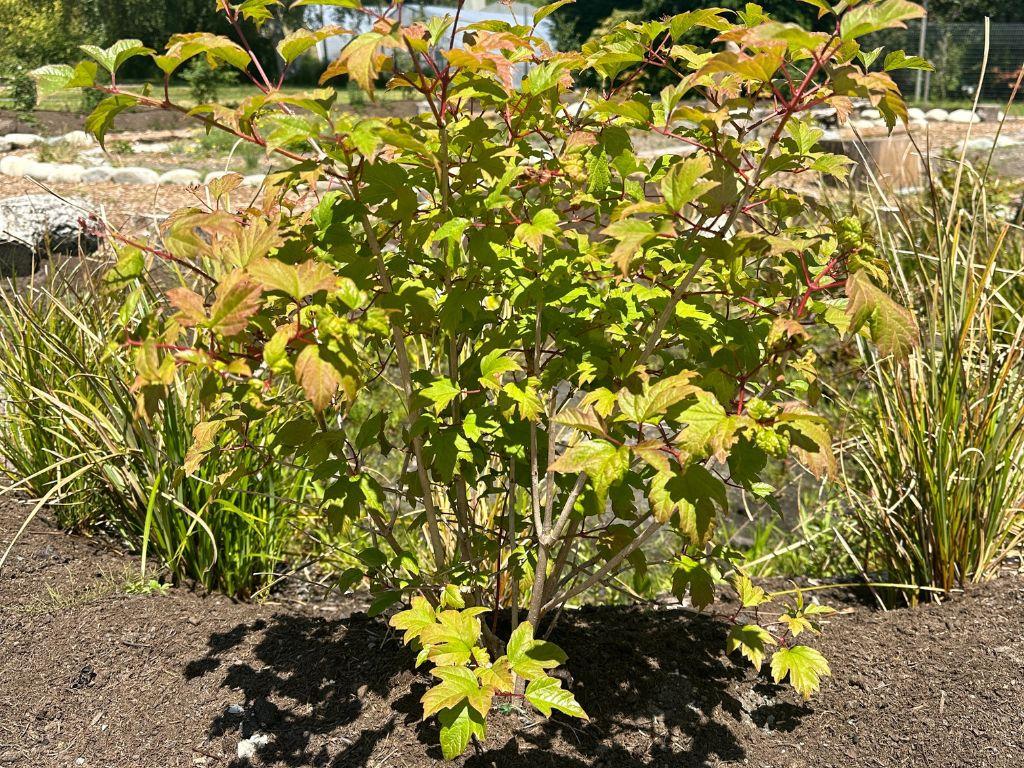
x=318, y=378
x=805, y=667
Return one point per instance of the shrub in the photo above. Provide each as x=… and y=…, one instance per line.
x=21, y=91
x=589, y=343
x=937, y=472
x=205, y=81
x=71, y=436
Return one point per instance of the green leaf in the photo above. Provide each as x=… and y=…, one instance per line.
x=451, y=597
x=900, y=60
x=749, y=594
x=654, y=401
x=441, y=393
x=682, y=184
x=872, y=17
x=383, y=601
x=530, y=658
x=545, y=223
x=58, y=77
x=692, y=574
x=603, y=462
x=457, y=684
x=236, y=300
x=702, y=420
x=631, y=235
x=360, y=59
x=893, y=328
x=414, y=620
x=453, y=637
x=525, y=396
x=598, y=174
x=546, y=10
x=495, y=364
x=102, y=117
x=805, y=667
x=750, y=640
x=295, y=280
x=546, y=694
x=113, y=57
x=301, y=40
x=458, y=726
x=498, y=675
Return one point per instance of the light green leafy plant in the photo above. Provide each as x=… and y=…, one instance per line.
x=589, y=343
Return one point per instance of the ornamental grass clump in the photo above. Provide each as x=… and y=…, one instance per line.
x=71, y=436
x=936, y=471
x=590, y=345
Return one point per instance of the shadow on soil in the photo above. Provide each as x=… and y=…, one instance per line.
x=657, y=686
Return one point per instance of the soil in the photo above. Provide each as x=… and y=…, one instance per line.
x=92, y=675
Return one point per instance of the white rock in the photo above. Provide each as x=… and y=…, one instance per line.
x=33, y=169
x=33, y=227
x=870, y=114
x=860, y=124
x=13, y=165
x=235, y=709
x=135, y=175
x=985, y=143
x=78, y=139
x=246, y=750
x=918, y=123
x=963, y=116
x=68, y=173
x=22, y=140
x=181, y=176
x=247, y=747
x=915, y=113
x=254, y=180
x=99, y=174
x=151, y=148
x=936, y=115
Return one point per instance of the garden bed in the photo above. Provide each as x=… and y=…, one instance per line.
x=95, y=673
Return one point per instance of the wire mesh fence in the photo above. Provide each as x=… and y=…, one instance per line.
x=957, y=51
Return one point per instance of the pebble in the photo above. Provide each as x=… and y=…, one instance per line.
x=235, y=709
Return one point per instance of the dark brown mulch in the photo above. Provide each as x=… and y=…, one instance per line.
x=92, y=676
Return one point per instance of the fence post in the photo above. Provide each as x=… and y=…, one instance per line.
x=921, y=41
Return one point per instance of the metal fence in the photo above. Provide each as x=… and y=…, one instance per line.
x=957, y=51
